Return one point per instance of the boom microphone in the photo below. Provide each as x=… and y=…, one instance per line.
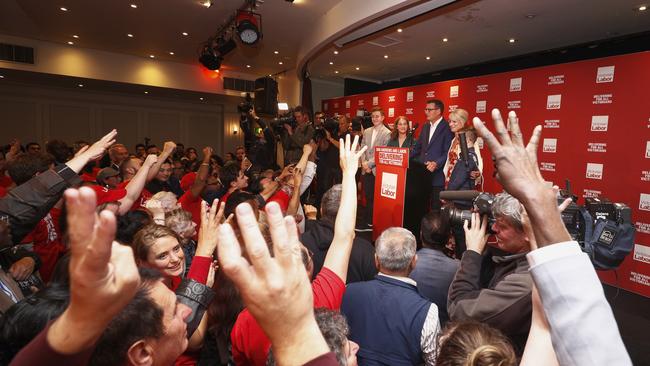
x=459, y=195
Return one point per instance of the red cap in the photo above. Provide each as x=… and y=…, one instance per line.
x=188, y=181
x=105, y=195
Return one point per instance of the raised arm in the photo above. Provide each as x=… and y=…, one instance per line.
x=136, y=184
x=338, y=255
x=202, y=174
x=168, y=149
x=103, y=279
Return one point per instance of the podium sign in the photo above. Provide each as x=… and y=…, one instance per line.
x=390, y=183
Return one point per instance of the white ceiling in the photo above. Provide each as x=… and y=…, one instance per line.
x=478, y=31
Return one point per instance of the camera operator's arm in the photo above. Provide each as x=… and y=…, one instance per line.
x=331, y=140
x=563, y=274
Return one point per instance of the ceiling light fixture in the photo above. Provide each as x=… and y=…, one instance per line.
x=70, y=43
x=248, y=66
x=63, y=9
x=80, y=85
x=445, y=39
x=385, y=56
x=428, y=57
x=276, y=52
x=152, y=56
x=399, y=30
x=642, y=8
x=248, y=26
x=134, y=6
x=129, y=35
x=357, y=68
x=280, y=63
x=331, y=63
x=2, y=76
x=336, y=71
x=146, y=92
x=207, y=3
x=210, y=59
x=75, y=36
x=512, y=40
x=171, y=53
x=185, y=34
x=336, y=52
x=201, y=98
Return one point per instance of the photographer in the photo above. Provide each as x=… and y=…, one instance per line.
x=501, y=299
x=295, y=137
x=262, y=147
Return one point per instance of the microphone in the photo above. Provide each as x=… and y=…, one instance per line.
x=459, y=195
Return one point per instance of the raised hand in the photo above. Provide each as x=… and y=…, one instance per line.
x=475, y=236
x=211, y=218
x=150, y=160
x=207, y=153
x=103, y=275
x=98, y=149
x=516, y=164
x=519, y=174
x=169, y=147
x=349, y=156
x=276, y=290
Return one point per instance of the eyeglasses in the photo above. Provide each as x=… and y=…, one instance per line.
x=430, y=109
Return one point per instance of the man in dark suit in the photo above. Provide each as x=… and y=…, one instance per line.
x=432, y=147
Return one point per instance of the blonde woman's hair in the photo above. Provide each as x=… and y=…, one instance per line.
x=460, y=113
x=474, y=344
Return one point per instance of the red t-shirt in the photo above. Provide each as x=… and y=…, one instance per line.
x=139, y=204
x=282, y=198
x=3, y=191
x=250, y=346
x=5, y=181
x=46, y=237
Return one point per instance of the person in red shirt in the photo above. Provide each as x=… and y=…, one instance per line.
x=195, y=184
x=250, y=346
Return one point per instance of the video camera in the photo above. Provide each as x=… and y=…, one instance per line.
x=603, y=228
x=330, y=125
x=287, y=118
x=244, y=108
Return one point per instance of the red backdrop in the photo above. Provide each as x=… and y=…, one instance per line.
x=596, y=119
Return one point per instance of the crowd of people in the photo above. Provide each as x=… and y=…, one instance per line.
x=173, y=255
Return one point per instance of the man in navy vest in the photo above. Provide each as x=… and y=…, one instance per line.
x=432, y=147
x=389, y=319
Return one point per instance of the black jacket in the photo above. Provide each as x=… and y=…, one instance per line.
x=28, y=203
x=318, y=237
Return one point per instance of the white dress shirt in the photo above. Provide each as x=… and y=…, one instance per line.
x=432, y=130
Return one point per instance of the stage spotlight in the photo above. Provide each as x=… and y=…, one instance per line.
x=210, y=59
x=224, y=47
x=247, y=28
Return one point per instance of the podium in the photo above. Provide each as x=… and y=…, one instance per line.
x=390, y=184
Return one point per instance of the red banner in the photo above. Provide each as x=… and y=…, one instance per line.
x=596, y=120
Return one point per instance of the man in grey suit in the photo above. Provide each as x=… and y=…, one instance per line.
x=377, y=135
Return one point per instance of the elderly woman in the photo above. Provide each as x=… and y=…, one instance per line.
x=401, y=136
x=457, y=121
x=460, y=174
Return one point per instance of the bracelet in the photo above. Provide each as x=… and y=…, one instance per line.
x=205, y=163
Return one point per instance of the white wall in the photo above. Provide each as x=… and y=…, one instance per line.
x=324, y=89
x=38, y=113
